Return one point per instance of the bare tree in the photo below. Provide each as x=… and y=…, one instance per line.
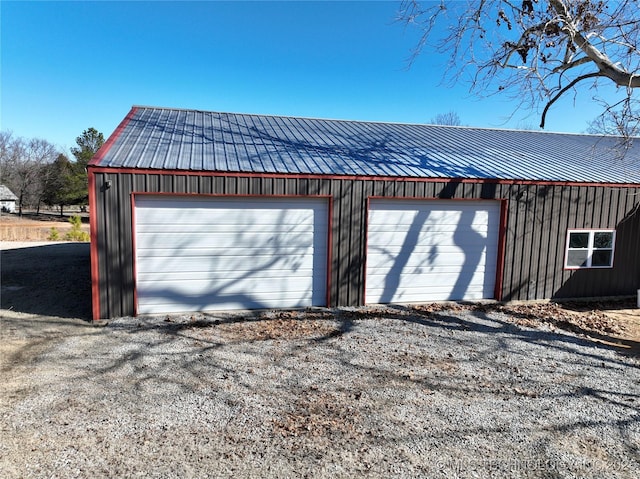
x=538, y=50
x=620, y=119
x=450, y=118
x=22, y=167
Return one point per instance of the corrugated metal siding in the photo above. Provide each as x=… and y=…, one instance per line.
x=537, y=221
x=536, y=235
x=161, y=138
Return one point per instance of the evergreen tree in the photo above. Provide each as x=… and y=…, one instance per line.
x=88, y=145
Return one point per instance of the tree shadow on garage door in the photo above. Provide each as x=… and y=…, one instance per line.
x=472, y=246
x=282, y=269
x=50, y=280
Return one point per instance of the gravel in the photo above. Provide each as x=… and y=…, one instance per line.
x=372, y=392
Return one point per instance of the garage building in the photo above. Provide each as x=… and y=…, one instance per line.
x=195, y=211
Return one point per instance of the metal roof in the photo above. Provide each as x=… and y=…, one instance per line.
x=191, y=140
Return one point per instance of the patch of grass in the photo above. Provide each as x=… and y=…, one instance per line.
x=54, y=235
x=76, y=233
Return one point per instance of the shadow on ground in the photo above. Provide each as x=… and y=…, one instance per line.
x=51, y=280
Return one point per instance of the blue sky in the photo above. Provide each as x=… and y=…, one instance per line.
x=68, y=66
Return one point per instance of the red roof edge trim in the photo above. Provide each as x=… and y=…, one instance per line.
x=316, y=176
x=100, y=154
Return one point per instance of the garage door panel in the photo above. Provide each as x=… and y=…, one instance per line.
x=195, y=217
x=248, y=240
x=422, y=296
x=215, y=277
x=222, y=232
x=167, y=202
x=208, y=252
x=216, y=228
x=435, y=293
x=434, y=250
x=427, y=250
x=223, y=303
x=220, y=253
x=421, y=271
x=437, y=217
x=433, y=261
x=425, y=238
x=226, y=267
x=422, y=280
x=295, y=287
x=188, y=262
x=443, y=292
x=159, y=295
x=218, y=301
x=435, y=229
x=433, y=222
x=223, y=267
x=220, y=236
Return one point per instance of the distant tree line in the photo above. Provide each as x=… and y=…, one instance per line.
x=38, y=173
x=450, y=118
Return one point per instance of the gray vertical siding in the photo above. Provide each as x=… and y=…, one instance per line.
x=536, y=236
x=537, y=221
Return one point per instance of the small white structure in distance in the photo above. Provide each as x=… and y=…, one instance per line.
x=7, y=200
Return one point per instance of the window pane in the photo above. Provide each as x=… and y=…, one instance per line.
x=601, y=258
x=577, y=258
x=578, y=240
x=603, y=239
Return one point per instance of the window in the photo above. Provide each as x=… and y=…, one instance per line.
x=590, y=249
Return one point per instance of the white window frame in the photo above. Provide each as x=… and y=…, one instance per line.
x=590, y=248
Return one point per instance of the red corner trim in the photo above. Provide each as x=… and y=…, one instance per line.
x=100, y=154
x=134, y=250
x=93, y=228
x=502, y=238
x=329, y=296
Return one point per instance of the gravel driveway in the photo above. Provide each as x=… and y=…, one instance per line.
x=373, y=392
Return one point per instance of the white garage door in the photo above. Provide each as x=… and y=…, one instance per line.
x=436, y=250
x=204, y=253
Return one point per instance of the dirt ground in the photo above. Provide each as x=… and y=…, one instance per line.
x=612, y=322
x=36, y=227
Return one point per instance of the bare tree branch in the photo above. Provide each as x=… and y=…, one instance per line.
x=557, y=96
x=533, y=50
